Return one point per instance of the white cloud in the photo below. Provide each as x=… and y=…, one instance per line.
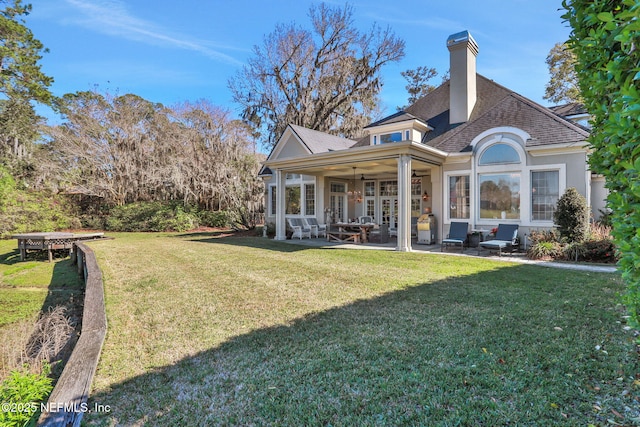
x=113, y=18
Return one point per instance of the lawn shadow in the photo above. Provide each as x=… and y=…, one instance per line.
x=245, y=241
x=482, y=349
x=10, y=257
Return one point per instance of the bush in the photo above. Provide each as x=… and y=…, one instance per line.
x=151, y=216
x=23, y=392
x=605, y=40
x=599, y=246
x=572, y=216
x=219, y=219
x=600, y=251
x=550, y=235
x=544, y=250
x=24, y=211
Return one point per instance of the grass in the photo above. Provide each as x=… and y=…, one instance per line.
x=247, y=331
x=26, y=288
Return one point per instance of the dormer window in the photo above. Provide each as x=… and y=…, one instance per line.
x=411, y=130
x=386, y=138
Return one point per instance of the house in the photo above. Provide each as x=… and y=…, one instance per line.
x=470, y=150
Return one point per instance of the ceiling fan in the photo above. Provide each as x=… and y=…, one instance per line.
x=415, y=175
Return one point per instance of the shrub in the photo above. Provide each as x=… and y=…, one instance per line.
x=599, y=251
x=218, y=219
x=605, y=40
x=550, y=235
x=150, y=216
x=23, y=391
x=572, y=216
x=544, y=250
x=599, y=246
x=573, y=251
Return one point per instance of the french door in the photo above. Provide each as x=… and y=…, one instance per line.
x=389, y=206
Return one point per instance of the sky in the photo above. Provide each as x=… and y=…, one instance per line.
x=175, y=51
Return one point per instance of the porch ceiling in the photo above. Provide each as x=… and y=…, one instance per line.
x=374, y=161
x=371, y=169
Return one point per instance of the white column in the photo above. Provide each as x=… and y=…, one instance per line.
x=404, y=203
x=320, y=196
x=281, y=184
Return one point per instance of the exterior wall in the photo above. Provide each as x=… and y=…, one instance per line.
x=599, y=195
x=572, y=172
x=576, y=165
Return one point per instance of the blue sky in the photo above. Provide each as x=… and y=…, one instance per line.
x=170, y=51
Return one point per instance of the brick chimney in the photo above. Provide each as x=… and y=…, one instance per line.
x=463, y=51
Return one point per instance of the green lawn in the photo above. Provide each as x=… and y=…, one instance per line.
x=26, y=288
x=248, y=331
x=26, y=285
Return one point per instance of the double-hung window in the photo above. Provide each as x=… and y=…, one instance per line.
x=545, y=191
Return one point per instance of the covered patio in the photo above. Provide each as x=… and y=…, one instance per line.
x=390, y=182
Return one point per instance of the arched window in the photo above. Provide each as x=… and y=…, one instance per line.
x=499, y=180
x=499, y=154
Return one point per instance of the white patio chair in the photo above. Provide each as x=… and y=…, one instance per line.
x=300, y=229
x=316, y=229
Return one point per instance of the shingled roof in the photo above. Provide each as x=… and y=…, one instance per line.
x=496, y=106
x=320, y=142
x=399, y=117
x=568, y=110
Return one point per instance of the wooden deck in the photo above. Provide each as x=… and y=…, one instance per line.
x=51, y=241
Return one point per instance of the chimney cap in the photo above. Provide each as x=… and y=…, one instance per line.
x=463, y=37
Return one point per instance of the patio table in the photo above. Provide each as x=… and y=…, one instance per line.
x=50, y=241
x=363, y=228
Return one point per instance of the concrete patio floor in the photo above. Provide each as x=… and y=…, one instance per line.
x=520, y=257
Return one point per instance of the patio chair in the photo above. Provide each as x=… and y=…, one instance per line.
x=316, y=228
x=506, y=238
x=365, y=219
x=457, y=236
x=300, y=229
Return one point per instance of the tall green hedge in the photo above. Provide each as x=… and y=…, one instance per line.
x=606, y=40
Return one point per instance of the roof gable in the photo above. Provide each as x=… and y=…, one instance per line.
x=320, y=142
x=297, y=141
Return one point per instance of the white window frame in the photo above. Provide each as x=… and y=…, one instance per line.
x=500, y=168
x=447, y=194
x=561, y=168
x=297, y=181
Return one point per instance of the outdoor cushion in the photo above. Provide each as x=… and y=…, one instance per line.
x=457, y=235
x=506, y=237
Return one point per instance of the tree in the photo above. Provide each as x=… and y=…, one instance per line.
x=418, y=82
x=563, y=83
x=326, y=79
x=108, y=147
x=572, y=216
x=125, y=149
x=20, y=52
x=605, y=38
x=21, y=80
